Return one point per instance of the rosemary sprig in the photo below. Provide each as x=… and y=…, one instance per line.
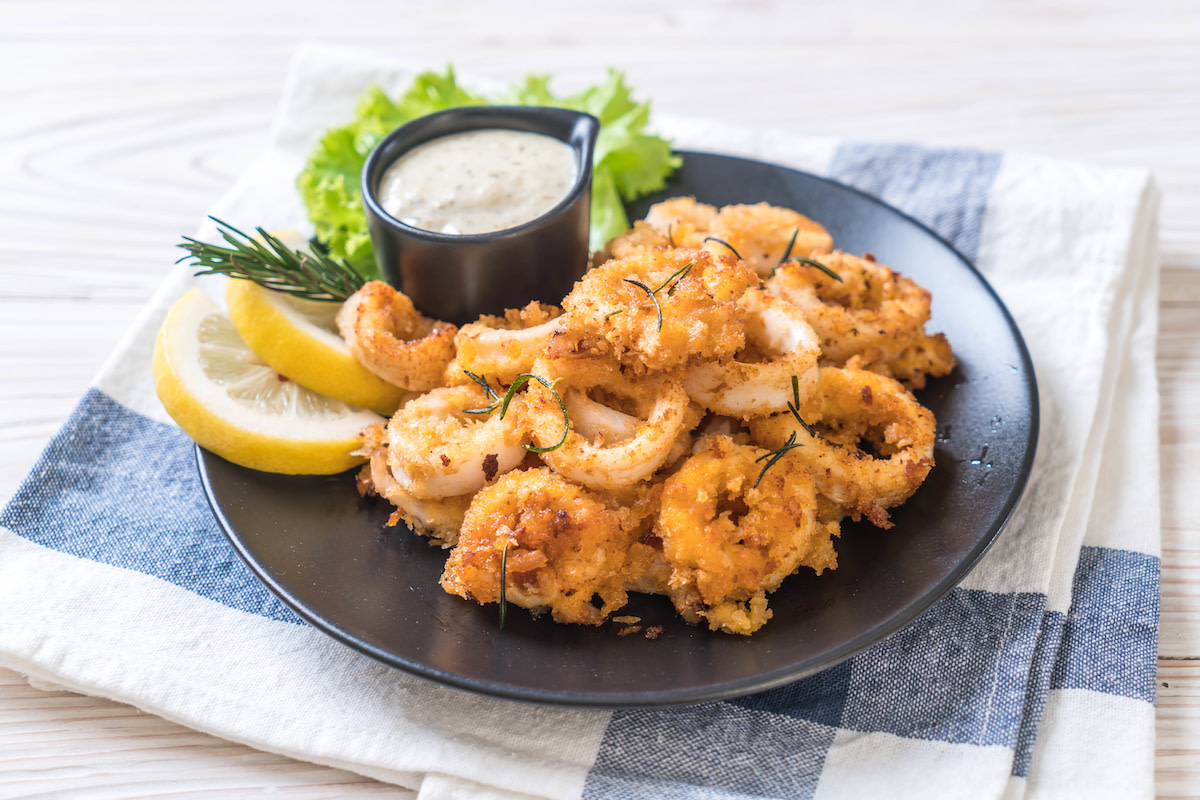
x=653, y=298
x=814, y=264
x=793, y=407
x=270, y=263
x=775, y=455
x=787, y=256
x=676, y=276
x=727, y=244
x=503, y=584
x=521, y=380
x=809, y=428
x=491, y=395
x=502, y=403
x=786, y=253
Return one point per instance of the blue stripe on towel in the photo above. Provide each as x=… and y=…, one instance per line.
x=115, y=487
x=718, y=751
x=957, y=674
x=974, y=669
x=1107, y=642
x=945, y=188
x=1110, y=643
x=1049, y=641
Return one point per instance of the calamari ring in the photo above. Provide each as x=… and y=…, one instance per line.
x=762, y=234
x=784, y=347
x=440, y=520
x=393, y=340
x=929, y=357
x=659, y=403
x=730, y=542
x=603, y=423
x=852, y=408
x=682, y=220
x=656, y=310
x=642, y=236
x=503, y=347
x=564, y=544
x=872, y=311
x=437, y=449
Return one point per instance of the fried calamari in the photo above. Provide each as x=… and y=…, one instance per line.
x=717, y=393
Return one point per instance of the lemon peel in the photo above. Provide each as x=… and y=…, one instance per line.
x=299, y=339
x=234, y=404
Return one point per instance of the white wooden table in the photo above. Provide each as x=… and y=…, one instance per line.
x=122, y=121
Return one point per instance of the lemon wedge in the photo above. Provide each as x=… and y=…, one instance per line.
x=300, y=339
x=234, y=404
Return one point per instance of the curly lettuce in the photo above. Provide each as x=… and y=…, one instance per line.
x=629, y=162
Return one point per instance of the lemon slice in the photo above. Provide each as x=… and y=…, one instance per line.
x=231, y=402
x=300, y=339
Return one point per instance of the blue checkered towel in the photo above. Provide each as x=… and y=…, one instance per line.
x=1035, y=677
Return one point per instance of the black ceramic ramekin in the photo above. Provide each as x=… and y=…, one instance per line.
x=455, y=277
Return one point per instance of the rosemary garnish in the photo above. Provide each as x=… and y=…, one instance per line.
x=269, y=262
x=727, y=244
x=503, y=583
x=796, y=413
x=680, y=273
x=521, y=380
x=677, y=276
x=793, y=407
x=775, y=455
x=786, y=253
x=502, y=402
x=814, y=264
x=650, y=293
x=491, y=395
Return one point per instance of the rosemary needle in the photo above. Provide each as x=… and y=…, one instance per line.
x=498, y=402
x=503, y=584
x=727, y=244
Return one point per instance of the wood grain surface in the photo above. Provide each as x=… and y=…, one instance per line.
x=123, y=121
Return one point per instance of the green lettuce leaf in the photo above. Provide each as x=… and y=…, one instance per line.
x=629, y=162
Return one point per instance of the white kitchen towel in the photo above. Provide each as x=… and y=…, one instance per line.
x=1033, y=678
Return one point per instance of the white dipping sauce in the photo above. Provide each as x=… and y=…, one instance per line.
x=478, y=181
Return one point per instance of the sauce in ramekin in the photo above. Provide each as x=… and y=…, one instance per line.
x=478, y=181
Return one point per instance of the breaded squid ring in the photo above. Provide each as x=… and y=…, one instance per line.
x=851, y=409
x=437, y=449
x=784, y=347
x=642, y=236
x=440, y=520
x=503, y=347
x=393, y=340
x=682, y=220
x=662, y=411
x=601, y=423
x=656, y=310
x=731, y=538
x=929, y=357
x=561, y=546
x=872, y=311
x=762, y=235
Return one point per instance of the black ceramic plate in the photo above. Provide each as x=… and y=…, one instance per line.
x=328, y=555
